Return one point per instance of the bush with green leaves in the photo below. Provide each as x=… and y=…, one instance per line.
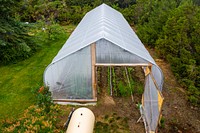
x=34, y=119
x=124, y=90
x=41, y=117
x=179, y=44
x=43, y=98
x=48, y=31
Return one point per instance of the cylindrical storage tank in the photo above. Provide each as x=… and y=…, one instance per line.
x=82, y=121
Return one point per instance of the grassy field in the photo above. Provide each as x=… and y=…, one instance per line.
x=18, y=80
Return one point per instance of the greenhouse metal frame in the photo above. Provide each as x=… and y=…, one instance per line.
x=103, y=38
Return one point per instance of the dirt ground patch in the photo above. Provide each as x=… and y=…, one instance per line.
x=121, y=107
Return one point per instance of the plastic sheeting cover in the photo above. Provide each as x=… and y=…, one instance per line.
x=151, y=107
x=105, y=22
x=107, y=52
x=70, y=78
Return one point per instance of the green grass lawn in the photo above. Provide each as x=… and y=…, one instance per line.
x=18, y=80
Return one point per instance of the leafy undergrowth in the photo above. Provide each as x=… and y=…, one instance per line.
x=41, y=117
x=34, y=119
x=112, y=124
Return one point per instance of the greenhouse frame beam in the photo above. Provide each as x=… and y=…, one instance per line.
x=127, y=65
x=76, y=100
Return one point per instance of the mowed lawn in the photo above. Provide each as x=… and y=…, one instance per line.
x=18, y=80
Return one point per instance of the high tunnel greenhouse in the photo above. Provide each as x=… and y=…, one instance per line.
x=103, y=38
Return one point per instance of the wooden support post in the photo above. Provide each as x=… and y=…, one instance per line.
x=127, y=65
x=156, y=85
x=93, y=61
x=111, y=89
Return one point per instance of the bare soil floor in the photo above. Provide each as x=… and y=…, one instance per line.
x=115, y=114
x=122, y=107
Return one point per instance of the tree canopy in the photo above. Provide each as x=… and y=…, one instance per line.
x=15, y=42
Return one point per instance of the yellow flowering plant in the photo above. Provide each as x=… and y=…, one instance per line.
x=41, y=117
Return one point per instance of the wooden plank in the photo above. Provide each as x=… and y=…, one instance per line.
x=154, y=81
x=111, y=88
x=110, y=64
x=93, y=61
x=146, y=71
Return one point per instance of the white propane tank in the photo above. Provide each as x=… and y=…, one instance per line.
x=82, y=121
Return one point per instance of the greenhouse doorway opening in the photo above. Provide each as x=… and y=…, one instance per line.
x=120, y=81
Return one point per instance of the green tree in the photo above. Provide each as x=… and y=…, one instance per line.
x=179, y=44
x=152, y=18
x=15, y=42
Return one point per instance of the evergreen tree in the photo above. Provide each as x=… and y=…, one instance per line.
x=15, y=43
x=179, y=43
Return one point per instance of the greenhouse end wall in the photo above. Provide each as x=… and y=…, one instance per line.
x=70, y=78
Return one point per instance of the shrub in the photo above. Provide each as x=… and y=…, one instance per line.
x=35, y=119
x=162, y=122
x=41, y=117
x=48, y=32
x=194, y=100
x=123, y=90
x=43, y=98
